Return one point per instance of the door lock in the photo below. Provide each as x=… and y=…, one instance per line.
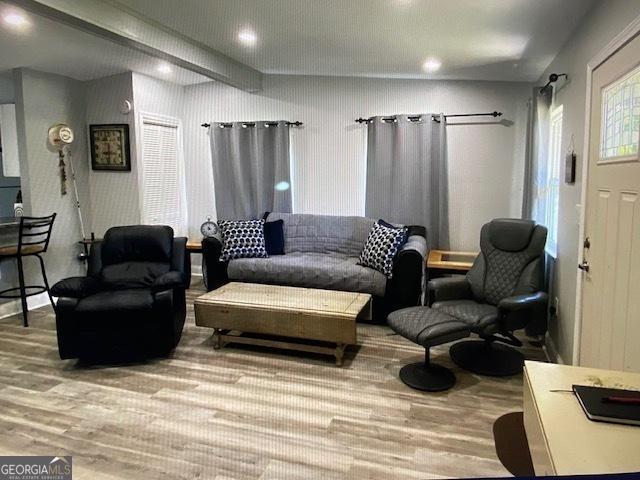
x=587, y=243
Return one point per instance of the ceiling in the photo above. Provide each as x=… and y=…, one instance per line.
x=56, y=48
x=511, y=40
x=475, y=39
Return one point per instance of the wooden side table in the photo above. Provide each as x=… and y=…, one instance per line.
x=445, y=262
x=194, y=246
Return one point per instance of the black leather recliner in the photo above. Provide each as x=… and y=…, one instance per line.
x=132, y=301
x=500, y=294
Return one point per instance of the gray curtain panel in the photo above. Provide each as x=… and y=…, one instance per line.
x=407, y=174
x=536, y=150
x=251, y=168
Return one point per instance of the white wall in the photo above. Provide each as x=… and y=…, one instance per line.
x=485, y=161
x=114, y=195
x=329, y=164
x=43, y=100
x=7, y=94
x=155, y=96
x=600, y=26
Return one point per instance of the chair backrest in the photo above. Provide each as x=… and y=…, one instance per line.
x=134, y=256
x=35, y=232
x=510, y=262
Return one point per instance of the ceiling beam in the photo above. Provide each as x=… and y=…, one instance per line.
x=125, y=27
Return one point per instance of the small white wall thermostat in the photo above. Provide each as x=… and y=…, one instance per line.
x=125, y=106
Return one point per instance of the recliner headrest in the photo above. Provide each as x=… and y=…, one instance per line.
x=141, y=243
x=510, y=234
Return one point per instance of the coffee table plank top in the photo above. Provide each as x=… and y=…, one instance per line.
x=329, y=303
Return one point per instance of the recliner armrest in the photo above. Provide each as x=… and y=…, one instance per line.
x=169, y=281
x=518, y=311
x=448, y=288
x=525, y=301
x=76, y=287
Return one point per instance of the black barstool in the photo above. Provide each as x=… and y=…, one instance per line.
x=33, y=240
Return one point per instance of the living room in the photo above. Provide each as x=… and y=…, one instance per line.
x=379, y=212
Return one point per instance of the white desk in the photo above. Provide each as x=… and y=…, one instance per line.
x=562, y=440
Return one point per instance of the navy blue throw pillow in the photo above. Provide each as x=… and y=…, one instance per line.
x=274, y=237
x=387, y=224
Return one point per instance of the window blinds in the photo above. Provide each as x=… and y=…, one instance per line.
x=162, y=195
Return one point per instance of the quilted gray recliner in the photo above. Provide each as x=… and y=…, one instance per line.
x=500, y=294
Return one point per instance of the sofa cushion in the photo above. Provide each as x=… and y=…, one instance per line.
x=308, y=233
x=118, y=301
x=381, y=247
x=311, y=270
x=476, y=315
x=242, y=239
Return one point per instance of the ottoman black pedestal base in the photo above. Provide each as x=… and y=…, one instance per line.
x=427, y=377
x=487, y=358
x=428, y=328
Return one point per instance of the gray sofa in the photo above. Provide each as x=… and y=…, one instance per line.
x=321, y=251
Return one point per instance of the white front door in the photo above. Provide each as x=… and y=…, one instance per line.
x=610, y=335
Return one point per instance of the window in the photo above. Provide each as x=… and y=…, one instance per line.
x=549, y=186
x=163, y=192
x=620, y=131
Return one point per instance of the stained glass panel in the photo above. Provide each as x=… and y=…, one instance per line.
x=620, y=134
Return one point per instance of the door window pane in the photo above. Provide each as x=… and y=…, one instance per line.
x=620, y=133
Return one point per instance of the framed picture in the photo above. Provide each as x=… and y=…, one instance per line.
x=110, y=147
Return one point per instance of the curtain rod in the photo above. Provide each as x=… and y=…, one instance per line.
x=253, y=124
x=414, y=118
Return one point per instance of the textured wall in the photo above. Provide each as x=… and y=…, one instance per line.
x=8, y=272
x=329, y=158
x=114, y=195
x=7, y=93
x=42, y=100
x=600, y=26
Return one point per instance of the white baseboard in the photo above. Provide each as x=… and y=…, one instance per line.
x=551, y=351
x=7, y=309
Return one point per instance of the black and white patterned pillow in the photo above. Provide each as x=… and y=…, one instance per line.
x=381, y=247
x=242, y=239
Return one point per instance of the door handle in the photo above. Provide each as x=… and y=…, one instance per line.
x=584, y=266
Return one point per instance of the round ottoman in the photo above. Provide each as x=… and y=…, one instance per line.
x=427, y=328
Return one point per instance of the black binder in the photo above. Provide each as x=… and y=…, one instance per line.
x=596, y=403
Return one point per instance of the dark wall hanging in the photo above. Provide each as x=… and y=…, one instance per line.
x=570, y=168
x=110, y=147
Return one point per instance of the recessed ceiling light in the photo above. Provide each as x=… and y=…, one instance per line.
x=431, y=65
x=247, y=37
x=164, y=68
x=15, y=20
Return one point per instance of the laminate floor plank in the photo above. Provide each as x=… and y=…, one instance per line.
x=247, y=412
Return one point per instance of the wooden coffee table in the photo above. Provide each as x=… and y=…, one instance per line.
x=322, y=321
